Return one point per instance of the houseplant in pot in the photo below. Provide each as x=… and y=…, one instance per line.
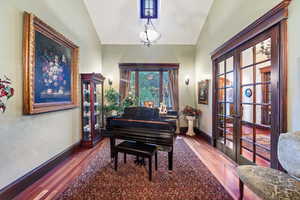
x=190, y=114
x=112, y=105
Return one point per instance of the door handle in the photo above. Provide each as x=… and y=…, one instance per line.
x=236, y=115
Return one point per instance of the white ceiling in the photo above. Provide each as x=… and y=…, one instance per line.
x=117, y=21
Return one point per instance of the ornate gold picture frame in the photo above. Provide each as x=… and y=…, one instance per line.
x=50, y=63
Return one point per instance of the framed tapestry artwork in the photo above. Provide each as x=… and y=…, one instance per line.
x=50, y=68
x=203, y=92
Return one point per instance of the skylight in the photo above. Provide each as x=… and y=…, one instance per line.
x=149, y=9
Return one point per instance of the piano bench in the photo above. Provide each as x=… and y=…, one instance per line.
x=137, y=149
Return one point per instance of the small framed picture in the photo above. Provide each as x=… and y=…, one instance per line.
x=203, y=92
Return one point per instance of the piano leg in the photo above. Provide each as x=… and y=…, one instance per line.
x=170, y=158
x=116, y=161
x=137, y=160
x=150, y=168
x=140, y=161
x=112, y=144
x=156, y=160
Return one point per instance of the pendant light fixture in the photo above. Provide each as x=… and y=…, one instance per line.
x=149, y=35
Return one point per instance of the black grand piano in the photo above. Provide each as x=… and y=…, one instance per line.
x=144, y=125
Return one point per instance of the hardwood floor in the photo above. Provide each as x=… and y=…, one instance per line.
x=220, y=166
x=59, y=178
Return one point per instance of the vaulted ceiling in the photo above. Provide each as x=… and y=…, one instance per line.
x=118, y=22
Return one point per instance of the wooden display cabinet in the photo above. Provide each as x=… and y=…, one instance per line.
x=92, y=108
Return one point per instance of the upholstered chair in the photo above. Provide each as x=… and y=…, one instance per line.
x=271, y=184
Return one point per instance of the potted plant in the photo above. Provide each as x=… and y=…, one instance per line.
x=112, y=105
x=190, y=114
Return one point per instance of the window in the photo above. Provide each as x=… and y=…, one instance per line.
x=149, y=9
x=151, y=83
x=151, y=86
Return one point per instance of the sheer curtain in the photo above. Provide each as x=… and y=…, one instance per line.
x=124, y=82
x=173, y=85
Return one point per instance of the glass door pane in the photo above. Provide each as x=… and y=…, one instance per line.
x=255, y=105
x=225, y=104
x=229, y=98
x=96, y=114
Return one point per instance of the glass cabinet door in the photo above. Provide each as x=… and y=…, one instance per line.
x=86, y=112
x=92, y=108
x=98, y=117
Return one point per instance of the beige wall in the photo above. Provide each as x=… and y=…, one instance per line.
x=182, y=54
x=227, y=18
x=294, y=66
x=28, y=141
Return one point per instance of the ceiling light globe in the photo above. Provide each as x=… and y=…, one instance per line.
x=143, y=36
x=153, y=35
x=149, y=36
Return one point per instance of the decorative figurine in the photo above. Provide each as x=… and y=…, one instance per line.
x=163, y=108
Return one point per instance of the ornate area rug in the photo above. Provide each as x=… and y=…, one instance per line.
x=189, y=180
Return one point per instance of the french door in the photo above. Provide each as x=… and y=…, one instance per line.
x=247, y=100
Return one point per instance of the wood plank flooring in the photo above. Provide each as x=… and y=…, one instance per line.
x=59, y=178
x=220, y=166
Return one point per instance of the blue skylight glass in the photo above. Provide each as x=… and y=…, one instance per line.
x=149, y=9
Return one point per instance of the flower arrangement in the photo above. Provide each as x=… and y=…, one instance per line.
x=129, y=101
x=6, y=92
x=54, y=74
x=190, y=111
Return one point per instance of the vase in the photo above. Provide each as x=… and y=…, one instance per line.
x=191, y=120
